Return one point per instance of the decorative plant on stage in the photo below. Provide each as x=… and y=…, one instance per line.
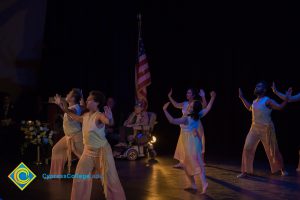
x=36, y=133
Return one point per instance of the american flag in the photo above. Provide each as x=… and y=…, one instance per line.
x=142, y=74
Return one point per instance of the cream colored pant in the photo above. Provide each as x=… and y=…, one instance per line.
x=62, y=152
x=266, y=135
x=103, y=162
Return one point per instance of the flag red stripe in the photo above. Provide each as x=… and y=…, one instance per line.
x=143, y=73
x=142, y=92
x=142, y=68
x=143, y=62
x=143, y=78
x=144, y=84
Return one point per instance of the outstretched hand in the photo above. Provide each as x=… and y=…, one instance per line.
x=201, y=93
x=241, y=93
x=170, y=93
x=274, y=87
x=57, y=99
x=166, y=106
x=60, y=102
x=81, y=102
x=213, y=94
x=289, y=93
x=108, y=112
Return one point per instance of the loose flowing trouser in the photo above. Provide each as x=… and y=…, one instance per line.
x=62, y=152
x=102, y=160
x=265, y=134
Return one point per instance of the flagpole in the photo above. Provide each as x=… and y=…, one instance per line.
x=139, y=16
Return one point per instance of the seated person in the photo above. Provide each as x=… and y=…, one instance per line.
x=135, y=122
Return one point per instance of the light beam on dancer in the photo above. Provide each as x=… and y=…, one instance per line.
x=97, y=153
x=190, y=96
x=72, y=141
x=191, y=134
x=262, y=130
x=294, y=98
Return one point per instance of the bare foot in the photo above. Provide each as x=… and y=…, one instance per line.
x=242, y=175
x=178, y=165
x=204, y=188
x=284, y=173
x=192, y=188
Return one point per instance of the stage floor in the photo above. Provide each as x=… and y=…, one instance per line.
x=159, y=181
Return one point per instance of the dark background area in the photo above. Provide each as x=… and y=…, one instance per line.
x=93, y=45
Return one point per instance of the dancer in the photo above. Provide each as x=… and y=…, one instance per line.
x=191, y=134
x=190, y=95
x=262, y=129
x=294, y=98
x=72, y=141
x=97, y=152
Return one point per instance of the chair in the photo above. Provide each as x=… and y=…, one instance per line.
x=142, y=142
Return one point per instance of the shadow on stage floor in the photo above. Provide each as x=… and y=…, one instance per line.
x=158, y=180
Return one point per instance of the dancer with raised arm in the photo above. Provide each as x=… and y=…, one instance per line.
x=293, y=98
x=97, y=152
x=191, y=134
x=72, y=141
x=190, y=96
x=262, y=130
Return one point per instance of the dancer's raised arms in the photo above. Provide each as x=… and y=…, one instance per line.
x=245, y=102
x=276, y=106
x=204, y=111
x=282, y=96
x=176, y=121
x=174, y=103
x=203, y=99
x=107, y=117
x=63, y=105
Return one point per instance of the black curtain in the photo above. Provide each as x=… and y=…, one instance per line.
x=93, y=46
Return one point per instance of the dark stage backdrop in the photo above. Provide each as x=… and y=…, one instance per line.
x=21, y=41
x=93, y=46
